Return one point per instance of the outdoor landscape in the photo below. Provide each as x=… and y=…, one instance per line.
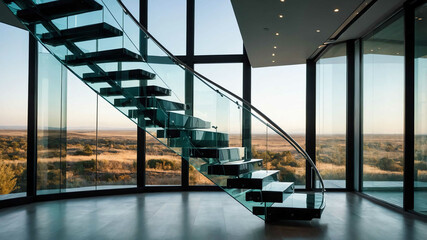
x=112, y=161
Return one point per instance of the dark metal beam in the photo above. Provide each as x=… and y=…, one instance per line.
x=189, y=84
x=350, y=146
x=358, y=142
x=32, y=118
x=408, y=183
x=141, y=135
x=246, y=115
x=310, y=134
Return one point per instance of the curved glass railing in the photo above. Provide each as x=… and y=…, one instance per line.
x=221, y=135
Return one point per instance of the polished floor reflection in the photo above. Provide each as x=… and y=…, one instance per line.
x=199, y=215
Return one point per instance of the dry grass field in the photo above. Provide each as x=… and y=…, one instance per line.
x=78, y=161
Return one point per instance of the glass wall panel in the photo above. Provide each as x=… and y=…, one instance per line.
x=167, y=23
x=420, y=164
x=331, y=86
x=116, y=148
x=383, y=101
x=51, y=135
x=81, y=136
x=163, y=166
x=229, y=76
x=279, y=92
x=216, y=29
x=13, y=111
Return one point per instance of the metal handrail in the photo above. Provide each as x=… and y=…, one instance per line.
x=277, y=129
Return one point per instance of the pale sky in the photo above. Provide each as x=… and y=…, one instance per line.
x=279, y=92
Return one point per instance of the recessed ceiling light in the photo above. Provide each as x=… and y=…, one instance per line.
x=277, y=34
x=275, y=47
x=372, y=50
x=420, y=19
x=336, y=10
x=273, y=61
x=282, y=0
x=273, y=54
x=397, y=53
x=317, y=30
x=280, y=15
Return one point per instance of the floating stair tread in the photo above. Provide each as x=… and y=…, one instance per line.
x=234, y=168
x=150, y=102
x=241, y=162
x=115, y=55
x=297, y=206
x=272, y=192
x=183, y=143
x=134, y=74
x=57, y=9
x=222, y=154
x=301, y=200
x=194, y=134
x=261, y=174
x=253, y=180
x=84, y=33
x=278, y=187
x=137, y=91
x=170, y=119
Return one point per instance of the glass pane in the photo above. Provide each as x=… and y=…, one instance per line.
x=331, y=87
x=216, y=29
x=13, y=108
x=163, y=166
x=383, y=84
x=289, y=87
x=81, y=136
x=116, y=148
x=51, y=135
x=164, y=22
x=227, y=75
x=420, y=110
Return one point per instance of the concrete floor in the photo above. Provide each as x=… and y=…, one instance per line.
x=199, y=215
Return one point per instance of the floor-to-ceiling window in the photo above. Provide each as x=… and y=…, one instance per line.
x=420, y=154
x=331, y=78
x=383, y=112
x=280, y=92
x=224, y=116
x=168, y=26
x=13, y=111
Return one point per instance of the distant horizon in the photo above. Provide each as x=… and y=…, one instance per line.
x=22, y=128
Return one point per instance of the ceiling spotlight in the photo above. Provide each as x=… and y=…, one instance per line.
x=336, y=10
x=280, y=16
x=282, y=0
x=420, y=19
x=317, y=30
x=273, y=61
x=275, y=47
x=273, y=54
x=277, y=34
x=372, y=50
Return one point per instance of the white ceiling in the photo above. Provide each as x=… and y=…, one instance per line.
x=298, y=37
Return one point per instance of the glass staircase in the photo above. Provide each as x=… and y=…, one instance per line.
x=222, y=136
